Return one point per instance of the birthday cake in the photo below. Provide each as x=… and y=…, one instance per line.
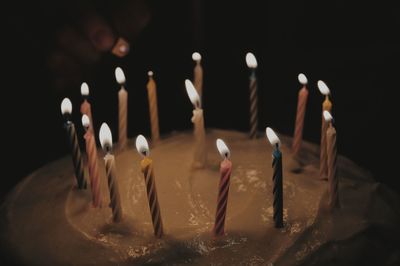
x=48, y=221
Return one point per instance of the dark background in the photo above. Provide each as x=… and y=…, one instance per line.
x=353, y=46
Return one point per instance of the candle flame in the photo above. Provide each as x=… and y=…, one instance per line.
x=272, y=137
x=150, y=73
x=196, y=56
x=66, y=106
x=192, y=93
x=142, y=146
x=105, y=137
x=323, y=88
x=85, y=121
x=84, y=89
x=251, y=60
x=302, y=79
x=327, y=116
x=223, y=149
x=119, y=75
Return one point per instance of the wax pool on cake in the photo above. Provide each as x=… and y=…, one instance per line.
x=50, y=222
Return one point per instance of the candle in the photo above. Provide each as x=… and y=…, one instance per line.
x=106, y=143
x=301, y=111
x=91, y=152
x=152, y=94
x=198, y=74
x=66, y=110
x=122, y=109
x=86, y=108
x=199, y=159
x=148, y=173
x=326, y=106
x=276, y=178
x=333, y=178
x=252, y=64
x=222, y=202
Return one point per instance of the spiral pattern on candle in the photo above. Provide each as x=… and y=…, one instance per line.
x=113, y=188
x=91, y=151
x=198, y=79
x=253, y=107
x=277, y=188
x=76, y=156
x=323, y=167
x=332, y=169
x=153, y=201
x=122, y=118
x=301, y=110
x=222, y=202
x=152, y=94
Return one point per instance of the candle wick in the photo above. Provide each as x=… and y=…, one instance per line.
x=67, y=117
x=108, y=148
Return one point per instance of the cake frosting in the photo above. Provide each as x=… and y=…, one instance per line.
x=50, y=222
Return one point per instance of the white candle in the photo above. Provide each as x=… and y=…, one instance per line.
x=106, y=143
x=199, y=159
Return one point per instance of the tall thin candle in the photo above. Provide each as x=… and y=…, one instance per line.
x=153, y=109
x=301, y=111
x=122, y=109
x=200, y=155
x=106, y=143
x=91, y=151
x=222, y=202
x=326, y=106
x=333, y=178
x=66, y=110
x=252, y=64
x=276, y=178
x=148, y=171
x=198, y=74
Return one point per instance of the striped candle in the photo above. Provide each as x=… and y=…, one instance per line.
x=148, y=172
x=276, y=178
x=91, y=152
x=333, y=178
x=153, y=109
x=301, y=111
x=122, y=109
x=222, y=202
x=252, y=64
x=66, y=110
x=198, y=74
x=326, y=106
x=115, y=200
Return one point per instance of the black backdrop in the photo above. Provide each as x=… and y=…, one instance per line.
x=351, y=45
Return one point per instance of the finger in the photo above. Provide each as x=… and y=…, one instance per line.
x=77, y=46
x=98, y=32
x=130, y=17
